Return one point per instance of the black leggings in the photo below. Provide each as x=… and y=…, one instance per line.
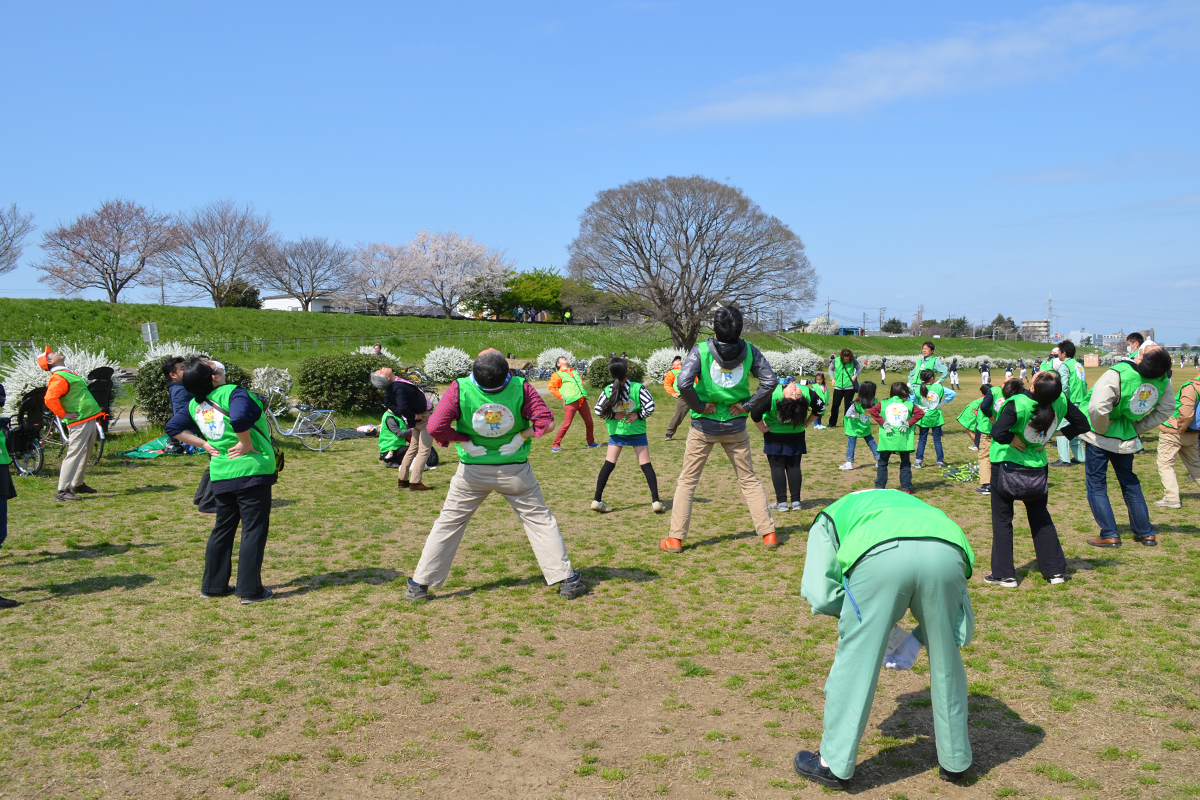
x=609, y=466
x=1046, y=545
x=785, y=472
x=840, y=396
x=881, y=472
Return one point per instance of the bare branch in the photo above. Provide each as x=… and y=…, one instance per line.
x=14, y=227
x=220, y=243
x=306, y=269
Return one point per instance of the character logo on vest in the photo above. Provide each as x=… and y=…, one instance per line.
x=931, y=399
x=492, y=419
x=725, y=378
x=1033, y=437
x=896, y=418
x=1079, y=373
x=210, y=421
x=1144, y=399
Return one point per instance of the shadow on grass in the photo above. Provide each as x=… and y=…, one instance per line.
x=998, y=735
x=160, y=488
x=280, y=502
x=311, y=583
x=77, y=553
x=593, y=576
x=89, y=586
x=725, y=537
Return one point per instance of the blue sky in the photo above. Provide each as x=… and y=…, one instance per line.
x=971, y=158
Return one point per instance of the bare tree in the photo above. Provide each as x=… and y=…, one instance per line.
x=379, y=270
x=674, y=248
x=446, y=269
x=14, y=227
x=112, y=248
x=219, y=244
x=306, y=269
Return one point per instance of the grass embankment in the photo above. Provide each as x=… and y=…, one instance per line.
x=685, y=676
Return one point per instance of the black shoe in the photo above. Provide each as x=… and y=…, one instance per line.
x=808, y=765
x=209, y=595
x=266, y=595
x=952, y=777
x=985, y=489
x=7, y=602
x=572, y=587
x=1060, y=464
x=1146, y=541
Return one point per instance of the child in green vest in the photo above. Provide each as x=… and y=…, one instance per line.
x=969, y=419
x=931, y=396
x=782, y=425
x=394, y=437
x=624, y=406
x=858, y=423
x=7, y=491
x=822, y=391
x=897, y=418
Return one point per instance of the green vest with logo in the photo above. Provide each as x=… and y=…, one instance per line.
x=985, y=422
x=896, y=435
x=675, y=384
x=78, y=400
x=771, y=416
x=843, y=375
x=930, y=400
x=857, y=422
x=1139, y=396
x=572, y=387
x=969, y=418
x=1034, y=454
x=4, y=457
x=1194, y=383
x=389, y=441
x=617, y=426
x=1076, y=388
x=215, y=426
x=720, y=386
x=491, y=419
x=863, y=520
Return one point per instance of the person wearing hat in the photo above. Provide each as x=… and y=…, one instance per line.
x=68, y=398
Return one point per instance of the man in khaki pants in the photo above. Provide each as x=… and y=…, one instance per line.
x=720, y=402
x=68, y=397
x=491, y=416
x=1177, y=438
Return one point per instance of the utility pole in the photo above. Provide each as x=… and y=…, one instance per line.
x=881, y=313
x=920, y=318
x=828, y=302
x=864, y=322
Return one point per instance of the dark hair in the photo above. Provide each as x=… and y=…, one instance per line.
x=930, y=345
x=984, y=388
x=490, y=369
x=1011, y=387
x=866, y=394
x=676, y=358
x=821, y=375
x=900, y=389
x=169, y=364
x=847, y=353
x=926, y=376
x=197, y=378
x=1066, y=349
x=727, y=324
x=562, y=358
x=1047, y=387
x=792, y=412
x=1137, y=338
x=1155, y=363
x=618, y=370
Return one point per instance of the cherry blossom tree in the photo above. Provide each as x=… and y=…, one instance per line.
x=379, y=270
x=446, y=269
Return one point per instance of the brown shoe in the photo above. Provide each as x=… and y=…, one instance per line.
x=1101, y=541
x=1147, y=541
x=418, y=487
x=402, y=484
x=83, y=488
x=64, y=495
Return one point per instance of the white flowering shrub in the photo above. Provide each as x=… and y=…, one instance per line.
x=444, y=364
x=659, y=362
x=160, y=351
x=548, y=358
x=266, y=377
x=369, y=350
x=24, y=374
x=825, y=326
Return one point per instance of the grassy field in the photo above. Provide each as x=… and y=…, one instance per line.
x=686, y=676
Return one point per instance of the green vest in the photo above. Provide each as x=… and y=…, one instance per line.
x=4, y=457
x=930, y=400
x=843, y=374
x=985, y=422
x=819, y=391
x=857, y=421
x=895, y=435
x=970, y=416
x=1139, y=396
x=1194, y=383
x=865, y=519
x=1076, y=388
x=572, y=387
x=1035, y=443
x=616, y=426
x=78, y=400
x=491, y=419
x=924, y=363
x=771, y=420
x=720, y=386
x=675, y=385
x=216, y=427
x=389, y=441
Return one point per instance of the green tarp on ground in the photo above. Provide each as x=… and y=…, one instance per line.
x=151, y=449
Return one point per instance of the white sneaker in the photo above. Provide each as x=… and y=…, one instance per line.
x=658, y=507
x=847, y=465
x=1167, y=504
x=598, y=505
x=1055, y=580
x=796, y=505
x=972, y=447
x=916, y=465
x=777, y=507
x=817, y=427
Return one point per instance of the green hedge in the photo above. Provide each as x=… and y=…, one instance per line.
x=598, y=372
x=341, y=382
x=153, y=398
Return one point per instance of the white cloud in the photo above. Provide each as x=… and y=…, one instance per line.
x=1126, y=164
x=985, y=55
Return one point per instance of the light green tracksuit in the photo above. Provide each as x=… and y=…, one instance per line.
x=927, y=575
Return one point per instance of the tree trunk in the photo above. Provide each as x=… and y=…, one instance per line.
x=305, y=304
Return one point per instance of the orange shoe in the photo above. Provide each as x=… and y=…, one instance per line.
x=770, y=541
x=671, y=545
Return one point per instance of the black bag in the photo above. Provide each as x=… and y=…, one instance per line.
x=1020, y=483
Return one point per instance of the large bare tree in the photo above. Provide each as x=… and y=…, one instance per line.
x=112, y=248
x=306, y=269
x=446, y=269
x=14, y=227
x=379, y=270
x=675, y=248
x=219, y=243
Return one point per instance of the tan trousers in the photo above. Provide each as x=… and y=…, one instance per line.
x=417, y=454
x=1184, y=446
x=695, y=456
x=469, y=487
x=985, y=462
x=681, y=413
x=79, y=449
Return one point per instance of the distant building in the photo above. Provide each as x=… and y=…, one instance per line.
x=1035, y=330
x=285, y=302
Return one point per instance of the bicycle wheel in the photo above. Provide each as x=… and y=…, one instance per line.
x=316, y=431
x=97, y=451
x=54, y=437
x=133, y=419
x=30, y=462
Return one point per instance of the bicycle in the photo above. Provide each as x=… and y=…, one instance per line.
x=315, y=429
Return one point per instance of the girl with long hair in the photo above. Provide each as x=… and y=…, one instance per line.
x=821, y=390
x=931, y=396
x=624, y=406
x=858, y=423
x=897, y=417
x=782, y=424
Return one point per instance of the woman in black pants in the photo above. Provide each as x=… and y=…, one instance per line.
x=843, y=377
x=1027, y=422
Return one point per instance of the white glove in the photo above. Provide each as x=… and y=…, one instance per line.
x=903, y=655
x=515, y=444
x=472, y=449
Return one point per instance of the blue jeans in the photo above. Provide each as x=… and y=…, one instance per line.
x=851, y=441
x=937, y=442
x=1097, y=462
